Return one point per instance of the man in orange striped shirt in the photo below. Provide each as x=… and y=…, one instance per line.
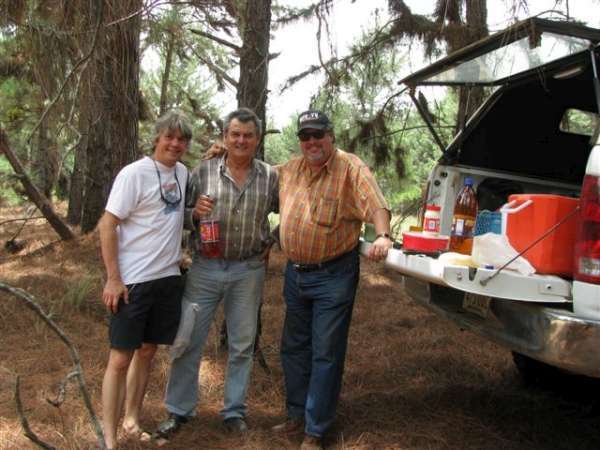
x=324, y=196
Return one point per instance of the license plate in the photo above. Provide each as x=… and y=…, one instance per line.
x=477, y=304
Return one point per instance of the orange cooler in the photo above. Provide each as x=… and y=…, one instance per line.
x=532, y=215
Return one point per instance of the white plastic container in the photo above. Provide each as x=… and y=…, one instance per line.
x=431, y=220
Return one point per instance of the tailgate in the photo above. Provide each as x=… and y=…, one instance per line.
x=505, y=285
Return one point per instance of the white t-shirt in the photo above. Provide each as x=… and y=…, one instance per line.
x=150, y=230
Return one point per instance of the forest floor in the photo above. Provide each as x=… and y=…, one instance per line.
x=412, y=380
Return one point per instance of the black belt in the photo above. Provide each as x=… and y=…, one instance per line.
x=322, y=265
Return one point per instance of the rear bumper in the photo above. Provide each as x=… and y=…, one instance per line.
x=546, y=333
x=529, y=315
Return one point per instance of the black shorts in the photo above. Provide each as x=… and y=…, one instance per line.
x=151, y=316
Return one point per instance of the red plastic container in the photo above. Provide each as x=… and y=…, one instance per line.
x=418, y=242
x=529, y=216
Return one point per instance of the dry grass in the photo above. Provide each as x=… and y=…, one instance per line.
x=412, y=381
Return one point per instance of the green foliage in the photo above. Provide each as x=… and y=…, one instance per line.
x=20, y=102
x=192, y=84
x=282, y=146
x=33, y=61
x=579, y=122
x=8, y=180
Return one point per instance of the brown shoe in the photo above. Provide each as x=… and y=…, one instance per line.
x=292, y=425
x=312, y=443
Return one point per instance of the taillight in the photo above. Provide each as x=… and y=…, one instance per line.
x=587, y=242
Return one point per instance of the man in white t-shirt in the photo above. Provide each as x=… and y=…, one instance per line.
x=140, y=236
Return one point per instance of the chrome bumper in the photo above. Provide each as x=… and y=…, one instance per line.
x=549, y=334
x=529, y=315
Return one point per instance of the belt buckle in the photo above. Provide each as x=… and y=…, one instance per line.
x=304, y=267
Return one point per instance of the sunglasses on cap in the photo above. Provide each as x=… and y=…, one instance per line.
x=306, y=135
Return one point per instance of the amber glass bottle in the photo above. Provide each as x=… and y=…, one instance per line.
x=463, y=219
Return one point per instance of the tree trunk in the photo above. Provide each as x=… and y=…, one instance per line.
x=166, y=74
x=33, y=193
x=45, y=161
x=254, y=60
x=77, y=177
x=113, y=103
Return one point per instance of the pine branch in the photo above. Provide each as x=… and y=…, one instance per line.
x=218, y=40
x=325, y=67
x=212, y=66
x=295, y=78
x=140, y=11
x=298, y=14
x=380, y=39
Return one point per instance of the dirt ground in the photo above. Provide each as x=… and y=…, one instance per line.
x=412, y=380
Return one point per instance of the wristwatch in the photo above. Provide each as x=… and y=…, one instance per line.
x=385, y=235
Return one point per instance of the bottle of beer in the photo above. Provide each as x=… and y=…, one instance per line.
x=463, y=219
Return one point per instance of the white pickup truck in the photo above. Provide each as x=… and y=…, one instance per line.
x=536, y=133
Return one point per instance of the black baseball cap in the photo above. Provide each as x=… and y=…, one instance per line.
x=313, y=119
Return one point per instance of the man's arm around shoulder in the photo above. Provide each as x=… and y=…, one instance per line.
x=114, y=288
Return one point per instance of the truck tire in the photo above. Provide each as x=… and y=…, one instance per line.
x=534, y=372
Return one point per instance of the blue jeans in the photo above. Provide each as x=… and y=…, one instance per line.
x=239, y=284
x=315, y=333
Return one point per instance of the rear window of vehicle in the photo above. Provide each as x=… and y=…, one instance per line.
x=580, y=122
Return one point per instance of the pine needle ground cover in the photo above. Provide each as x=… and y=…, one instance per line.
x=412, y=380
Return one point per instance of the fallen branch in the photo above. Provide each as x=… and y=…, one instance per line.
x=12, y=239
x=33, y=305
x=24, y=422
x=25, y=219
x=62, y=391
x=33, y=193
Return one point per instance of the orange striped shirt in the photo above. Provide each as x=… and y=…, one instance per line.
x=321, y=213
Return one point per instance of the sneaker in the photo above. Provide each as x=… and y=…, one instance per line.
x=170, y=426
x=291, y=425
x=312, y=443
x=235, y=425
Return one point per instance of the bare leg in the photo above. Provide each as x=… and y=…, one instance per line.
x=137, y=380
x=113, y=392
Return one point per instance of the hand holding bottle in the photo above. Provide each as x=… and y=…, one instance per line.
x=204, y=206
